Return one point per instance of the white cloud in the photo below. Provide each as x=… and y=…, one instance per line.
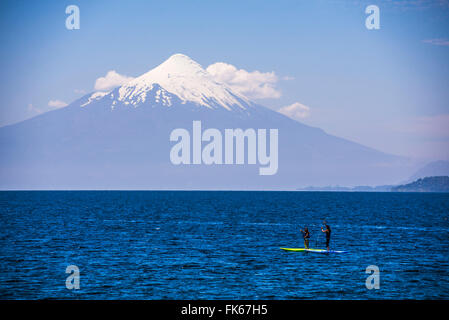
x=438, y=42
x=295, y=111
x=254, y=84
x=52, y=105
x=56, y=103
x=111, y=80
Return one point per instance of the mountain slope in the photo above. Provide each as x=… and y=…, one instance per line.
x=120, y=140
x=432, y=169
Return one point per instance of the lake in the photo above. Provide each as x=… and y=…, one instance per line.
x=222, y=244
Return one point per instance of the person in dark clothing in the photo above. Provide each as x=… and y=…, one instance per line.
x=327, y=231
x=306, y=236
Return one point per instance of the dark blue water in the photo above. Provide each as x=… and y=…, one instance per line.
x=222, y=245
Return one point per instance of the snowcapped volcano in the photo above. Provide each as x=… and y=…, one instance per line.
x=121, y=140
x=179, y=77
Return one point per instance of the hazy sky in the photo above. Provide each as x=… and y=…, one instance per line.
x=387, y=88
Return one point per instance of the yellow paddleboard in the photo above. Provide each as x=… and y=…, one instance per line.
x=312, y=250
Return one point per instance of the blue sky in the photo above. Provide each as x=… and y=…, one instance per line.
x=387, y=88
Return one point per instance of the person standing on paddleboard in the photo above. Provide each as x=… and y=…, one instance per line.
x=327, y=231
x=306, y=236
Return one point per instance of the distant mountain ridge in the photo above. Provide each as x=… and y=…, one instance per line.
x=428, y=184
x=384, y=188
x=120, y=140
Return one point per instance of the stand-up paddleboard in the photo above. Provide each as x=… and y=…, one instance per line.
x=312, y=250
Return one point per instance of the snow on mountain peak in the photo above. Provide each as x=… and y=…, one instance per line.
x=185, y=78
